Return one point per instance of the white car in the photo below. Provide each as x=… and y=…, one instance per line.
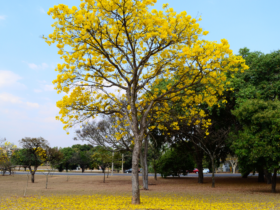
x=205, y=170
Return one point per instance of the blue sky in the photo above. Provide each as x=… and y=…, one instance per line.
x=27, y=98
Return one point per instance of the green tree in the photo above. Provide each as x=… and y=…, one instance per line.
x=175, y=161
x=36, y=152
x=257, y=93
x=260, y=134
x=155, y=149
x=84, y=147
x=83, y=159
x=66, y=162
x=19, y=158
x=103, y=158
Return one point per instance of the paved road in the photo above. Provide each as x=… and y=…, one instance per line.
x=118, y=174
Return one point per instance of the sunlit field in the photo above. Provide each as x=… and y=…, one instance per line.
x=85, y=192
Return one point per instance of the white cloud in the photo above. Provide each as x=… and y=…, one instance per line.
x=37, y=90
x=9, y=98
x=48, y=109
x=50, y=120
x=44, y=65
x=45, y=98
x=42, y=10
x=44, y=87
x=42, y=81
x=37, y=67
x=10, y=79
x=2, y=17
x=49, y=87
x=32, y=66
x=32, y=105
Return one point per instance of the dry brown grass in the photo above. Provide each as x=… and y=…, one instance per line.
x=237, y=189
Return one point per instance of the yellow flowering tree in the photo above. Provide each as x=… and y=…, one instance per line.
x=122, y=46
x=34, y=153
x=5, y=157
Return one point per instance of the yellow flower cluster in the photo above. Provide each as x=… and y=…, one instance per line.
x=121, y=202
x=121, y=44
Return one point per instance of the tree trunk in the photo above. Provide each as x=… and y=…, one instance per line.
x=198, y=157
x=135, y=175
x=32, y=177
x=234, y=168
x=83, y=169
x=104, y=176
x=47, y=180
x=274, y=180
x=144, y=177
x=268, y=177
x=155, y=170
x=200, y=175
x=245, y=175
x=146, y=164
x=143, y=169
x=261, y=175
x=213, y=172
x=112, y=171
x=143, y=159
x=33, y=173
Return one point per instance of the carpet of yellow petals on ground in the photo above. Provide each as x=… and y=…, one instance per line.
x=123, y=202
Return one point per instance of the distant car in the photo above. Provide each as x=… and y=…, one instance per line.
x=206, y=170
x=195, y=170
x=130, y=171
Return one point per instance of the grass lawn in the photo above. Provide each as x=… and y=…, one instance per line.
x=89, y=192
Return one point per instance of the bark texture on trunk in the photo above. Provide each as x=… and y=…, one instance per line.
x=245, y=175
x=198, y=159
x=200, y=175
x=213, y=172
x=234, y=168
x=135, y=175
x=32, y=177
x=261, y=175
x=146, y=164
x=268, y=177
x=32, y=173
x=274, y=180
x=155, y=170
x=143, y=158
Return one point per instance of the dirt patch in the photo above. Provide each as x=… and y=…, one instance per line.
x=234, y=188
